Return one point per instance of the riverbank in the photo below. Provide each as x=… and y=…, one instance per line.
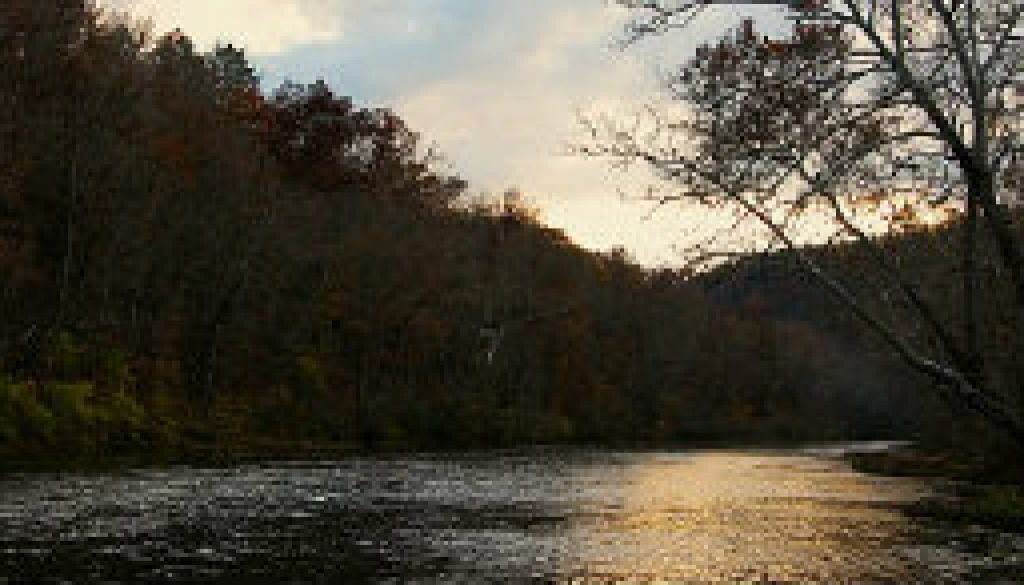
x=986, y=488
x=193, y=455
x=270, y=450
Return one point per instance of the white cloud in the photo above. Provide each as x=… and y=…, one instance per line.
x=507, y=118
x=262, y=27
x=509, y=113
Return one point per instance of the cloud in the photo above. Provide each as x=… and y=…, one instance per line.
x=506, y=115
x=262, y=27
x=508, y=108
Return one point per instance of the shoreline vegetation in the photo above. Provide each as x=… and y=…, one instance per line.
x=987, y=488
x=275, y=450
x=225, y=269
x=196, y=271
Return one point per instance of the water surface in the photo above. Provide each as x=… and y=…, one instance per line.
x=798, y=515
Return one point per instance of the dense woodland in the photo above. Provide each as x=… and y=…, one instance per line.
x=775, y=284
x=188, y=263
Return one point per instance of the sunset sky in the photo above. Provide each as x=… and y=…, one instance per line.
x=496, y=84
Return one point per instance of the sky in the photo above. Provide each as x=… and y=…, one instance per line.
x=496, y=85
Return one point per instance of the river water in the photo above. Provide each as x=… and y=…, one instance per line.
x=795, y=515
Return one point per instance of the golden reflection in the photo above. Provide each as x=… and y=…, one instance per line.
x=742, y=517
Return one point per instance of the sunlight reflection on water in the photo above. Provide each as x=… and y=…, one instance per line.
x=544, y=516
x=727, y=516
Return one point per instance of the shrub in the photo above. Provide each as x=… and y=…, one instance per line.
x=62, y=355
x=69, y=402
x=24, y=419
x=8, y=412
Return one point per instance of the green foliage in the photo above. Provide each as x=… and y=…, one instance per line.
x=112, y=371
x=126, y=412
x=9, y=419
x=311, y=373
x=1000, y=506
x=69, y=402
x=24, y=419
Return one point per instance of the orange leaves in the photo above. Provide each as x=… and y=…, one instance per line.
x=778, y=48
x=873, y=200
x=246, y=104
x=906, y=216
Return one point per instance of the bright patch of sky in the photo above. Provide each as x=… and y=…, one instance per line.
x=496, y=84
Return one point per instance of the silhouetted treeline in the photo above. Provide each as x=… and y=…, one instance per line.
x=187, y=262
x=775, y=287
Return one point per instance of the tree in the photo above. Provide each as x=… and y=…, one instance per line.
x=329, y=144
x=869, y=100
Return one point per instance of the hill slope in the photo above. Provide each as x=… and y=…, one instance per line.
x=191, y=265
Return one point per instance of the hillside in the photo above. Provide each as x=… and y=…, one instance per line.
x=191, y=266
x=776, y=287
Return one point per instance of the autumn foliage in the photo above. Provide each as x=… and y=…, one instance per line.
x=190, y=264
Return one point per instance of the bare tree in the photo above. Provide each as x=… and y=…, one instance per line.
x=868, y=100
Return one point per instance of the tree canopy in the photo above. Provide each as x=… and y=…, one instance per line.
x=857, y=107
x=189, y=264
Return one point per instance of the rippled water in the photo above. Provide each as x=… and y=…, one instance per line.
x=547, y=517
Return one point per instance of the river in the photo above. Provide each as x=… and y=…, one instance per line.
x=538, y=516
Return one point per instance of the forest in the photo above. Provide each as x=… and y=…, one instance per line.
x=192, y=266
